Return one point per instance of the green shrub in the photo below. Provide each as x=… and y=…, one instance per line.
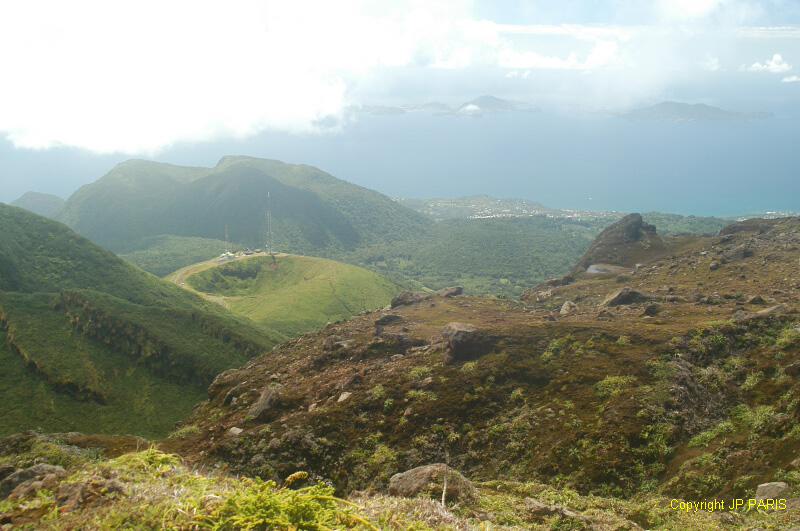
x=702, y=440
x=420, y=373
x=378, y=392
x=612, y=386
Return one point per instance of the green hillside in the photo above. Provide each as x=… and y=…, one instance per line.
x=47, y=205
x=164, y=254
x=290, y=294
x=498, y=256
x=91, y=343
x=312, y=211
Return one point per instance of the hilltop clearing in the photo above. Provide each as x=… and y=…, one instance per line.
x=285, y=293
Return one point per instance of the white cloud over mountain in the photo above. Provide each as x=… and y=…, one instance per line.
x=135, y=77
x=775, y=65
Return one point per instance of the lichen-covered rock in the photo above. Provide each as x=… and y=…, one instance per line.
x=568, y=307
x=223, y=381
x=771, y=491
x=407, y=298
x=450, y=292
x=626, y=296
x=428, y=480
x=263, y=408
x=21, y=476
x=463, y=341
x=387, y=319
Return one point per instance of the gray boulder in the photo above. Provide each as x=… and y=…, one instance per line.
x=407, y=298
x=453, y=291
x=263, y=408
x=626, y=296
x=568, y=308
x=771, y=491
x=464, y=341
x=21, y=476
x=428, y=480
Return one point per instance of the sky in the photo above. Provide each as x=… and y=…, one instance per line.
x=87, y=83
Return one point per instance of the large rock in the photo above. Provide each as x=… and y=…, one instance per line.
x=539, y=511
x=568, y=307
x=622, y=244
x=264, y=408
x=772, y=311
x=771, y=491
x=21, y=476
x=224, y=380
x=626, y=296
x=72, y=496
x=428, y=480
x=464, y=341
x=407, y=298
x=453, y=291
x=387, y=319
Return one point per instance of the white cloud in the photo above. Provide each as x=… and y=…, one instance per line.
x=712, y=64
x=776, y=65
x=791, y=79
x=688, y=9
x=138, y=76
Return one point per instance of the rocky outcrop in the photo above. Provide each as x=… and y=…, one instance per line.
x=20, y=477
x=72, y=496
x=407, y=298
x=263, y=409
x=621, y=244
x=626, y=296
x=429, y=480
x=450, y=292
x=464, y=341
x=771, y=491
x=568, y=307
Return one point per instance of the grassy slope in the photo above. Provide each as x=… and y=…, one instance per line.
x=96, y=334
x=296, y=295
x=148, y=404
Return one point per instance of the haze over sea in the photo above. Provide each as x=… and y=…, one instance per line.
x=587, y=161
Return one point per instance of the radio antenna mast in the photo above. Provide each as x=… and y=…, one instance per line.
x=227, y=243
x=269, y=225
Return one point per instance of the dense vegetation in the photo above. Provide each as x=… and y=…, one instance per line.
x=499, y=256
x=163, y=217
x=92, y=343
x=151, y=489
x=46, y=205
x=502, y=256
x=294, y=294
x=312, y=211
x=164, y=254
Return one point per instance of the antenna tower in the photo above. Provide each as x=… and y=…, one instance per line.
x=270, y=250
